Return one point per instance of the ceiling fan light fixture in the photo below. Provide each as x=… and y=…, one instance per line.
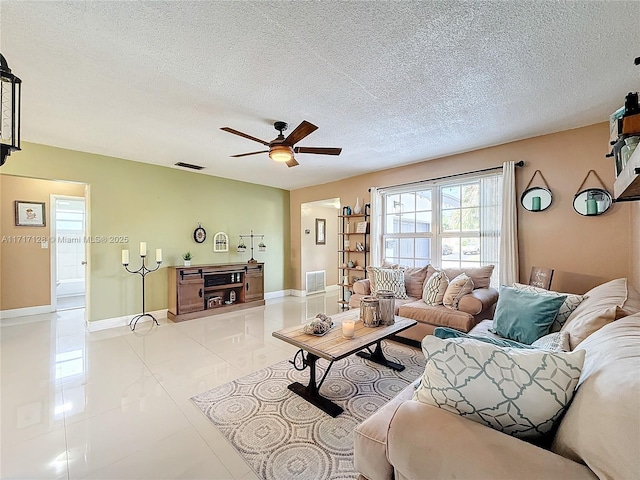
x=281, y=153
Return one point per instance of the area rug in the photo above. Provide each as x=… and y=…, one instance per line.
x=281, y=436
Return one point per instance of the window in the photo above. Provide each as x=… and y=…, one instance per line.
x=449, y=224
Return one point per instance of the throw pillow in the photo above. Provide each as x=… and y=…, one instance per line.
x=446, y=332
x=521, y=392
x=457, y=288
x=524, y=316
x=554, y=342
x=414, y=280
x=388, y=279
x=569, y=305
x=435, y=288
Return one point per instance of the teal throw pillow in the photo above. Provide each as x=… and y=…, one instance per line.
x=523, y=316
x=446, y=332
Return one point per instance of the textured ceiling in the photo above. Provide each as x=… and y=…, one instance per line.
x=392, y=83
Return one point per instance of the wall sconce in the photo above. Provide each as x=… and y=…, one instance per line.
x=10, y=93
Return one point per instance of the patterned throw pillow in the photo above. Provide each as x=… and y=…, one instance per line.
x=570, y=304
x=388, y=279
x=554, y=342
x=521, y=392
x=434, y=288
x=457, y=288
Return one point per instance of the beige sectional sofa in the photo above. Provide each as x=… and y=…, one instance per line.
x=472, y=308
x=598, y=436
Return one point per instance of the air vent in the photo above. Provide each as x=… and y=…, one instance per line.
x=316, y=282
x=189, y=165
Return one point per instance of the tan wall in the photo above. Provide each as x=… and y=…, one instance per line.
x=634, y=263
x=161, y=206
x=26, y=267
x=584, y=251
x=319, y=257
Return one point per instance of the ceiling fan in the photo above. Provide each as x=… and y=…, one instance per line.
x=282, y=149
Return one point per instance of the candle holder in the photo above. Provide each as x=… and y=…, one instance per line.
x=142, y=271
x=261, y=247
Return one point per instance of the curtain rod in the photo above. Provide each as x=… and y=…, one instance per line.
x=517, y=164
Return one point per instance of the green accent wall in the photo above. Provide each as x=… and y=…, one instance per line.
x=162, y=206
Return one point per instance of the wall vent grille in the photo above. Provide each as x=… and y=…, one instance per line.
x=189, y=165
x=316, y=282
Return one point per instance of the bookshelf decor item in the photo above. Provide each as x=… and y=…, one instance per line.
x=143, y=271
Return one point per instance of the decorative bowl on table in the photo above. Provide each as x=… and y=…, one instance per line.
x=318, y=326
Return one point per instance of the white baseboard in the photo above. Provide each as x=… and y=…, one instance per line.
x=23, y=312
x=299, y=293
x=303, y=293
x=115, y=322
x=277, y=294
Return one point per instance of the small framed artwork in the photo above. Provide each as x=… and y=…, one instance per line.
x=361, y=227
x=321, y=232
x=30, y=214
x=220, y=242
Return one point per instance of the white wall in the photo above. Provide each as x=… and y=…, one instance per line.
x=320, y=257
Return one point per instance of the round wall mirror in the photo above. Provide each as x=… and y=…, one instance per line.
x=536, y=199
x=592, y=201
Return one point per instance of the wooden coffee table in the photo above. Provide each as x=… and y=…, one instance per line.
x=332, y=347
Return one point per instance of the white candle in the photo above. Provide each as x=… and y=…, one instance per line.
x=348, y=328
x=159, y=255
x=143, y=249
x=125, y=257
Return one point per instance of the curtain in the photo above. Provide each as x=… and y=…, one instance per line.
x=509, y=236
x=375, y=227
x=490, y=224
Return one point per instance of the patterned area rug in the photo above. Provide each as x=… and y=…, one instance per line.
x=281, y=436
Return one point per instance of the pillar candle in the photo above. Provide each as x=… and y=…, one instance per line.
x=143, y=249
x=535, y=204
x=125, y=257
x=592, y=207
x=348, y=328
x=159, y=255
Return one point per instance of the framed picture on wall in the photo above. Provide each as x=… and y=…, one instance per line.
x=321, y=232
x=30, y=214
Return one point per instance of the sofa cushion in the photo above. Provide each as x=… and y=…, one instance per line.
x=387, y=279
x=521, y=392
x=553, y=342
x=437, y=315
x=602, y=305
x=481, y=276
x=602, y=427
x=434, y=288
x=632, y=304
x=362, y=287
x=569, y=305
x=445, y=332
x=524, y=316
x=414, y=280
x=457, y=288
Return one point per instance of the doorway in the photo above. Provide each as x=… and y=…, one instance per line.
x=68, y=252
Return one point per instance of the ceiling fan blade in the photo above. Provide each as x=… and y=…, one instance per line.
x=318, y=150
x=292, y=163
x=236, y=132
x=250, y=153
x=301, y=131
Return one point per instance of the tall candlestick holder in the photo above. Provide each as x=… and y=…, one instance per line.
x=142, y=271
x=261, y=246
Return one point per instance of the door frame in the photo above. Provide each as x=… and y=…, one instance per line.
x=53, y=197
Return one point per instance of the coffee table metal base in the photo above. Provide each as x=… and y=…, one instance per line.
x=377, y=356
x=310, y=392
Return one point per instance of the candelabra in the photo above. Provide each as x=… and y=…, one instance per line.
x=261, y=246
x=142, y=271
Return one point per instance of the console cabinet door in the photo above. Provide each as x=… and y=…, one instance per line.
x=190, y=294
x=254, y=284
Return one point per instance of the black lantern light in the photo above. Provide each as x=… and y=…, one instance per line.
x=10, y=88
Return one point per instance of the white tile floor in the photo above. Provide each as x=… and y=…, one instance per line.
x=115, y=404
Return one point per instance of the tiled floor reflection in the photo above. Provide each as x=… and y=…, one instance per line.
x=115, y=404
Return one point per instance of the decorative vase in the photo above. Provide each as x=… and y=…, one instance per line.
x=187, y=263
x=358, y=208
